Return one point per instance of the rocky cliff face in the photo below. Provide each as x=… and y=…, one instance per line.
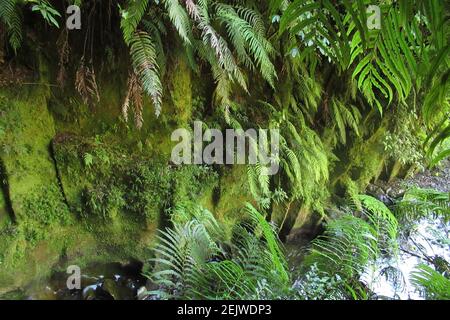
x=81, y=185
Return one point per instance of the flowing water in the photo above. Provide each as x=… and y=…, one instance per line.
x=110, y=281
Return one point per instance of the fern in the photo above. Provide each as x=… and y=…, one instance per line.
x=437, y=137
x=305, y=161
x=432, y=283
x=241, y=31
x=423, y=203
x=350, y=243
x=143, y=55
x=179, y=18
x=182, y=252
x=131, y=17
x=222, y=58
x=314, y=21
x=191, y=265
x=384, y=222
x=345, y=117
x=275, y=253
x=390, y=59
x=10, y=16
x=385, y=62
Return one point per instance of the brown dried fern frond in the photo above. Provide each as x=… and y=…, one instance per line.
x=86, y=84
x=92, y=84
x=80, y=81
x=134, y=98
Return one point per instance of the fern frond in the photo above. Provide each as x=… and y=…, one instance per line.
x=144, y=55
x=434, y=285
x=216, y=44
x=131, y=17
x=259, y=47
x=179, y=18
x=10, y=16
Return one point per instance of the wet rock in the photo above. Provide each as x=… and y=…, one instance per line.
x=142, y=293
x=117, y=290
x=111, y=287
x=89, y=293
x=395, y=192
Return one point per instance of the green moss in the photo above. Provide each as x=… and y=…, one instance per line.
x=360, y=164
x=25, y=154
x=367, y=160
x=46, y=206
x=46, y=229
x=4, y=215
x=181, y=91
x=192, y=182
x=231, y=192
x=148, y=187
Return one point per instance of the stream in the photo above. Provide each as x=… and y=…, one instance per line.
x=109, y=281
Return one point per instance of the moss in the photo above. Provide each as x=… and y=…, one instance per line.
x=181, y=91
x=368, y=161
x=148, y=186
x=360, y=164
x=102, y=181
x=231, y=193
x=395, y=170
x=26, y=157
x=47, y=230
x=192, y=182
x=4, y=214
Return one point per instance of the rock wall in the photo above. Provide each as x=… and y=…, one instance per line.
x=79, y=185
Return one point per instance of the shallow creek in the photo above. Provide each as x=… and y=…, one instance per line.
x=111, y=281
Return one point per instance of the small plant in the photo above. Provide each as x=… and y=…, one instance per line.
x=88, y=160
x=46, y=10
x=103, y=201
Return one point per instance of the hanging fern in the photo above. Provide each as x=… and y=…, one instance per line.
x=10, y=16
x=131, y=17
x=345, y=117
x=386, y=62
x=179, y=18
x=243, y=33
x=144, y=60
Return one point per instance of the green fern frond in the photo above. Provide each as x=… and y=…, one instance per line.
x=131, y=17
x=259, y=47
x=422, y=203
x=186, y=267
x=434, y=285
x=179, y=18
x=10, y=16
x=144, y=55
